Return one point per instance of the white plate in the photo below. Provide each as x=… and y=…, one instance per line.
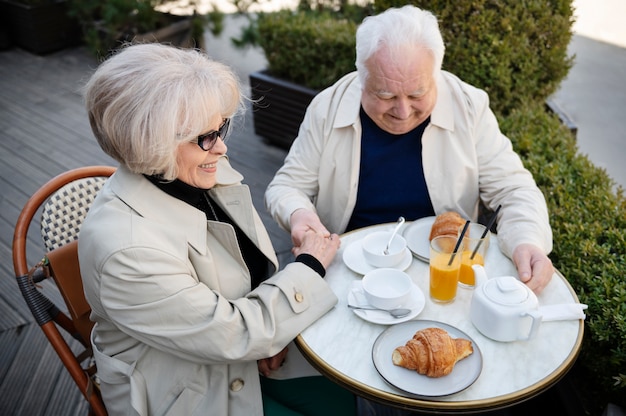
x=464, y=374
x=357, y=298
x=355, y=260
x=416, y=235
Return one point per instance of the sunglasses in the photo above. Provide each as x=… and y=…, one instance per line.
x=207, y=141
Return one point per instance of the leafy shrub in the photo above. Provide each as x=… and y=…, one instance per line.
x=514, y=50
x=313, y=46
x=107, y=24
x=588, y=221
x=309, y=49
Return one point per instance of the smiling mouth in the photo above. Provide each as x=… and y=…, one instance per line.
x=208, y=165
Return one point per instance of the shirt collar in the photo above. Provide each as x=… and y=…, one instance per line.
x=443, y=113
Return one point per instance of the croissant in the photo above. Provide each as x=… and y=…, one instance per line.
x=447, y=223
x=432, y=352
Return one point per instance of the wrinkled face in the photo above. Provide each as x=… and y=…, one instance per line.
x=399, y=96
x=197, y=167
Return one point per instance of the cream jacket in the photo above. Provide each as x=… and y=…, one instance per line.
x=177, y=328
x=465, y=157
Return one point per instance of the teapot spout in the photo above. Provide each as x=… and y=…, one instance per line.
x=479, y=274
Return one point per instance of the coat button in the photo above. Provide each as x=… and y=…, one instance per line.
x=299, y=297
x=237, y=385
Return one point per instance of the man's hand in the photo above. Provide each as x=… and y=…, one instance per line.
x=533, y=266
x=267, y=365
x=303, y=220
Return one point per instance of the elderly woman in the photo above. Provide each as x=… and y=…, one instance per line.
x=177, y=267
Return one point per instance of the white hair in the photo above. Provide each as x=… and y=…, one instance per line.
x=394, y=29
x=148, y=98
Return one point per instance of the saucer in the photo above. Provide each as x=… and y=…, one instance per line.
x=357, y=298
x=355, y=260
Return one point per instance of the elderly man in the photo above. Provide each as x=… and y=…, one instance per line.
x=400, y=136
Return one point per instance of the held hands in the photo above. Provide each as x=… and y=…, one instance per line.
x=320, y=247
x=303, y=220
x=533, y=266
x=310, y=236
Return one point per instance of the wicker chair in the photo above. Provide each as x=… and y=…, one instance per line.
x=64, y=202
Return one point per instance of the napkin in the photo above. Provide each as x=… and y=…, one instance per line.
x=562, y=312
x=358, y=297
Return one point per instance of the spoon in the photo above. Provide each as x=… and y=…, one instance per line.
x=396, y=313
x=393, y=234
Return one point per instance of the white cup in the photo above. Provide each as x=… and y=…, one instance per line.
x=387, y=288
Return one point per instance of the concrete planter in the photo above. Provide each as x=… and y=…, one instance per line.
x=279, y=107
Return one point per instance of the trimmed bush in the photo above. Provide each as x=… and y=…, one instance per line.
x=589, y=222
x=514, y=50
x=311, y=49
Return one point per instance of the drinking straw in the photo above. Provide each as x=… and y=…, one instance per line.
x=489, y=225
x=458, y=242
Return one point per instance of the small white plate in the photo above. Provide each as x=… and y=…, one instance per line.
x=357, y=298
x=464, y=374
x=416, y=235
x=355, y=260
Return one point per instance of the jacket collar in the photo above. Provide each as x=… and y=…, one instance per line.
x=443, y=113
x=150, y=202
x=226, y=174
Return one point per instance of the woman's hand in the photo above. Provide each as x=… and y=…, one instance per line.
x=321, y=247
x=267, y=365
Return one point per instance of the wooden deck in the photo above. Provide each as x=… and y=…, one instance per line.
x=43, y=132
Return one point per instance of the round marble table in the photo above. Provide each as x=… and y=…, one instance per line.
x=339, y=345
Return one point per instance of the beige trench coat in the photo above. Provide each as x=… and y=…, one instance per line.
x=177, y=329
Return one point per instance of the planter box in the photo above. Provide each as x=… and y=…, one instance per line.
x=40, y=29
x=278, y=107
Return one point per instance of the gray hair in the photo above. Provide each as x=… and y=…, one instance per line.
x=147, y=99
x=394, y=28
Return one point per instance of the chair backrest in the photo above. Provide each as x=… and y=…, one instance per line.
x=64, y=200
x=66, y=209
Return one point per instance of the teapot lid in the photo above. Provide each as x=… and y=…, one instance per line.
x=506, y=290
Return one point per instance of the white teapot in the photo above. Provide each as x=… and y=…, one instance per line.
x=503, y=308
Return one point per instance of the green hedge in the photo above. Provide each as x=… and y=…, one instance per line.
x=515, y=50
x=312, y=49
x=589, y=221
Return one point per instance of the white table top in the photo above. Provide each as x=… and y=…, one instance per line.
x=340, y=344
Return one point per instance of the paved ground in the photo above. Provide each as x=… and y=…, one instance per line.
x=594, y=92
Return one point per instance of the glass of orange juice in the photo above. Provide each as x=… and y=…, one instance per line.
x=473, y=251
x=444, y=269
